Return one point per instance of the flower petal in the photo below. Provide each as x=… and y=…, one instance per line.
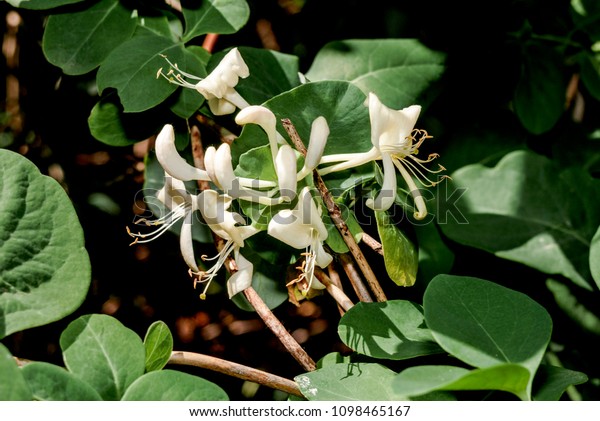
x=186, y=242
x=318, y=139
x=285, y=166
x=242, y=279
x=387, y=195
x=171, y=161
x=262, y=116
x=287, y=227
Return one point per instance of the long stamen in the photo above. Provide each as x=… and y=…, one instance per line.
x=165, y=222
x=206, y=277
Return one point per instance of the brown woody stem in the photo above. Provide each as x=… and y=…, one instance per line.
x=235, y=370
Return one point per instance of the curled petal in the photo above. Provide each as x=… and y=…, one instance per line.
x=186, y=243
x=171, y=161
x=219, y=106
x=287, y=227
x=223, y=167
x=209, y=164
x=263, y=117
x=309, y=214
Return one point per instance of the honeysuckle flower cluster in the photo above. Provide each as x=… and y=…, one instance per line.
x=299, y=225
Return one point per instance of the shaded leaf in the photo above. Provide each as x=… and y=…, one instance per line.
x=527, y=210
x=539, y=99
x=349, y=382
x=79, y=42
x=553, y=381
x=401, y=72
x=574, y=308
x=99, y=350
x=213, y=16
x=44, y=266
x=158, y=343
x=595, y=257
x=485, y=324
x=415, y=381
x=50, y=382
x=399, y=254
x=392, y=330
x=170, y=385
x=41, y=4
x=13, y=386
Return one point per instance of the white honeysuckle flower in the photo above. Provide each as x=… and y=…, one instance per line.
x=395, y=142
x=171, y=161
x=231, y=227
x=182, y=206
x=319, y=132
x=177, y=167
x=285, y=167
x=219, y=86
x=263, y=117
x=303, y=228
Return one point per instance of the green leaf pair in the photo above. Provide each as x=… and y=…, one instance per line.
x=502, y=333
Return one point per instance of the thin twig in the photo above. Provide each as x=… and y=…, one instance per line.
x=255, y=300
x=335, y=280
x=279, y=330
x=235, y=370
x=336, y=217
x=359, y=287
x=372, y=243
x=336, y=293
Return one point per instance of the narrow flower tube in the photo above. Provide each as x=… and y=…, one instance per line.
x=263, y=117
x=319, y=132
x=285, y=167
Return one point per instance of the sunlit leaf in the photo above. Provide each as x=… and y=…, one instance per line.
x=401, y=72
x=392, y=330
x=169, y=385
x=79, y=42
x=44, y=266
x=99, y=350
x=13, y=386
x=158, y=343
x=400, y=256
x=213, y=16
x=41, y=4
x=50, y=382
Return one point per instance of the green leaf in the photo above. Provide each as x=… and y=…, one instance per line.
x=349, y=382
x=334, y=239
x=527, y=210
x=400, y=72
x=590, y=73
x=49, y=382
x=132, y=69
x=392, y=330
x=79, y=42
x=435, y=257
x=553, y=381
x=41, y=4
x=485, y=324
x=595, y=257
x=574, y=308
x=44, y=266
x=170, y=385
x=188, y=101
x=159, y=345
x=257, y=163
x=271, y=73
x=399, y=254
x=99, y=350
x=109, y=124
x=216, y=16
x=415, y=381
x=539, y=99
x=13, y=386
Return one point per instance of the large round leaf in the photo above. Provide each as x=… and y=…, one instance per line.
x=528, y=210
x=400, y=72
x=78, y=42
x=99, y=350
x=218, y=16
x=485, y=324
x=169, y=385
x=44, y=267
x=13, y=386
x=41, y=4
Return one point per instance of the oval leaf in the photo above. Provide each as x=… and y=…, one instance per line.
x=527, y=210
x=485, y=324
x=595, y=257
x=393, y=330
x=78, y=42
x=349, y=382
x=170, y=385
x=415, y=381
x=44, y=267
x=99, y=350
x=553, y=381
x=49, y=382
x=217, y=16
x=400, y=72
x=399, y=254
x=13, y=386
x=132, y=68
x=159, y=345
